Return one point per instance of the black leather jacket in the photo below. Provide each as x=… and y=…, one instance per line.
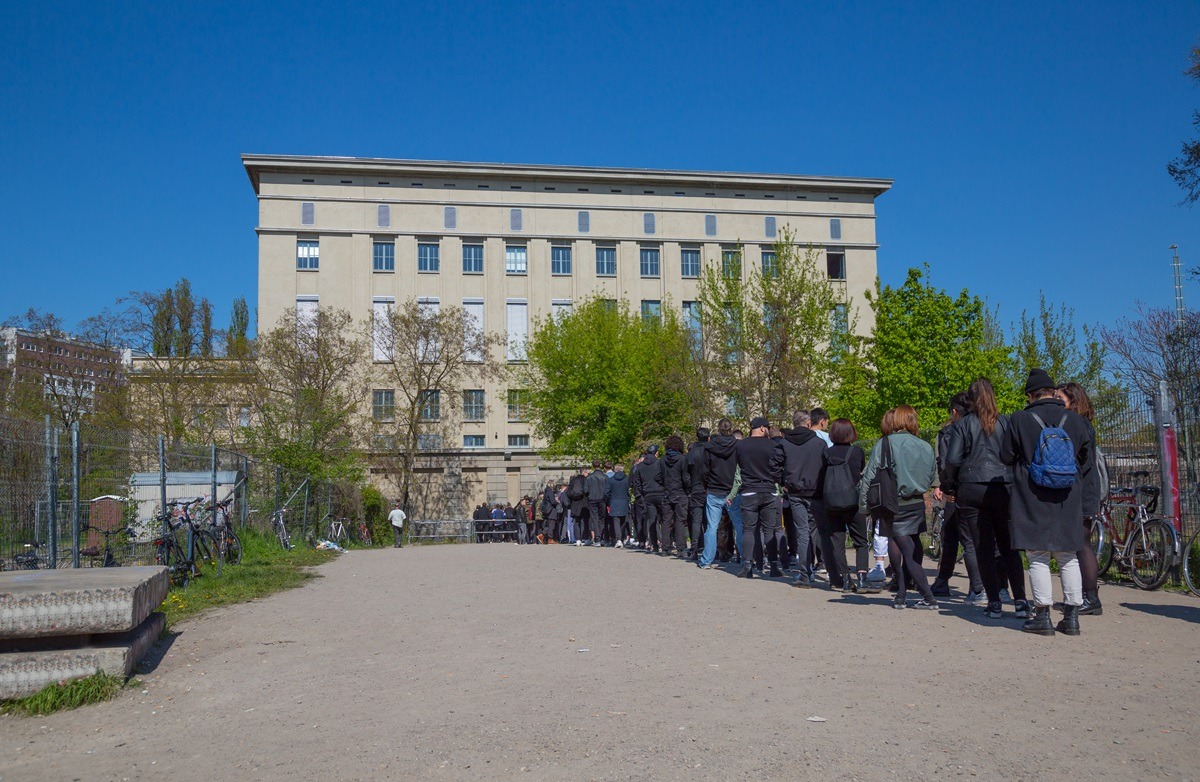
x=974, y=457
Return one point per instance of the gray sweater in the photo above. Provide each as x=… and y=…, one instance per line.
x=915, y=468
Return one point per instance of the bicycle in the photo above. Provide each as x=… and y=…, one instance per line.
x=170, y=553
x=279, y=528
x=226, y=541
x=1190, y=562
x=1145, y=545
x=31, y=560
x=364, y=533
x=93, y=552
x=937, y=535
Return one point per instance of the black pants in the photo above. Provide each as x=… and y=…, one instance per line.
x=398, y=535
x=597, y=516
x=760, y=527
x=790, y=537
x=652, y=508
x=984, y=507
x=804, y=520
x=909, y=569
x=960, y=529
x=674, y=524
x=1089, y=568
x=832, y=526
x=696, y=519
x=618, y=523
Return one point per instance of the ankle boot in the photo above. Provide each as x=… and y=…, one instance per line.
x=747, y=571
x=1070, y=621
x=1091, y=604
x=776, y=572
x=1040, y=622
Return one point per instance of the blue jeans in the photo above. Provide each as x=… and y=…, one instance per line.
x=570, y=528
x=713, y=503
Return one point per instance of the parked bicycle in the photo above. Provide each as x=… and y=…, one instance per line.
x=108, y=558
x=1142, y=544
x=364, y=533
x=170, y=552
x=33, y=559
x=225, y=537
x=279, y=527
x=937, y=535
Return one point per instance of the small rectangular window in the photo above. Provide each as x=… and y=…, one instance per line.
x=308, y=255
x=606, y=261
x=585, y=222
x=383, y=216
x=383, y=406
x=648, y=223
x=560, y=308
x=650, y=261
x=769, y=227
x=835, y=228
x=427, y=258
x=651, y=309
x=383, y=257
x=835, y=262
x=474, y=404
x=731, y=263
x=690, y=262
x=516, y=260
x=429, y=442
x=450, y=218
x=839, y=323
x=560, y=260
x=770, y=264
x=691, y=322
x=430, y=405
x=474, y=441
x=710, y=225
x=518, y=441
x=518, y=404
x=515, y=220
x=308, y=213
x=473, y=259
x=517, y=321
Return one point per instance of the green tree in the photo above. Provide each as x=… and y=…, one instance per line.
x=206, y=328
x=602, y=380
x=159, y=314
x=183, y=341
x=237, y=344
x=1052, y=341
x=1185, y=169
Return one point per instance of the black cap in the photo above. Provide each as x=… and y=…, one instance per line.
x=756, y=423
x=1039, y=379
x=652, y=448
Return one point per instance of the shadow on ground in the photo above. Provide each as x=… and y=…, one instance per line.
x=1185, y=613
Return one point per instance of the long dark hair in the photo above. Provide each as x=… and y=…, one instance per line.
x=983, y=404
x=1077, y=400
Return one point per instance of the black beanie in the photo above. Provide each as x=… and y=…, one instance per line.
x=1038, y=380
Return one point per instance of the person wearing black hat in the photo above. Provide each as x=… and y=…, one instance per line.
x=802, y=452
x=760, y=460
x=696, y=496
x=1047, y=497
x=647, y=484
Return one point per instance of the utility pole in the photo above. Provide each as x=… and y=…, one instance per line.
x=1179, y=311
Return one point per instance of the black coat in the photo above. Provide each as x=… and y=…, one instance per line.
x=695, y=454
x=761, y=462
x=802, y=452
x=647, y=478
x=595, y=482
x=1047, y=519
x=616, y=492
x=675, y=478
x=577, y=487
x=718, y=464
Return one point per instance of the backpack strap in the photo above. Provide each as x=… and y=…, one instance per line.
x=1042, y=423
x=1062, y=424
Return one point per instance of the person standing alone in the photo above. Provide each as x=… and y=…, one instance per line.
x=396, y=518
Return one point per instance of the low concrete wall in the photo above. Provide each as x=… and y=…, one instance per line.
x=38, y=603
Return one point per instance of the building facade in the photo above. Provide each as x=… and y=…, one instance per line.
x=64, y=373
x=512, y=243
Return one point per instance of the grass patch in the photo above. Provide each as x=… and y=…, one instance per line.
x=62, y=697
x=266, y=568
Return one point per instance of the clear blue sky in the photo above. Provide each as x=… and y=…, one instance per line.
x=1028, y=143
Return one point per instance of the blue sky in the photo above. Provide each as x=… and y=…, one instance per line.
x=1028, y=142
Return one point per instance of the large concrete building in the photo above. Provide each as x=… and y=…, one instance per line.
x=511, y=243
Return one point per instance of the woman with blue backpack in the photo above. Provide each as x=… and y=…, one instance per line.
x=837, y=487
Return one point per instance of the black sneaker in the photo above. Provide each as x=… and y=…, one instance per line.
x=899, y=602
x=994, y=610
x=1022, y=609
x=940, y=589
x=925, y=602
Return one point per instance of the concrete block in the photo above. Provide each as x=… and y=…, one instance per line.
x=27, y=666
x=36, y=603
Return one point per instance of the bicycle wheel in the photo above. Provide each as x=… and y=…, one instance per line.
x=205, y=546
x=233, y=547
x=281, y=533
x=1101, y=542
x=1191, y=564
x=1151, y=549
x=342, y=538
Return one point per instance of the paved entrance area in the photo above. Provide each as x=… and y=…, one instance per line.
x=553, y=663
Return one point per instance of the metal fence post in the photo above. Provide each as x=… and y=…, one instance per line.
x=304, y=522
x=162, y=484
x=217, y=521
x=278, y=488
x=52, y=491
x=75, y=507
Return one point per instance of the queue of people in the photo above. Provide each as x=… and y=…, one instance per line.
x=775, y=500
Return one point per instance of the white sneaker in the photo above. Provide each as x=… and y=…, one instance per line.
x=620, y=544
x=977, y=599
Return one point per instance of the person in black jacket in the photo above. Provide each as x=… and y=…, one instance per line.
x=1046, y=521
x=597, y=511
x=802, y=451
x=760, y=460
x=577, y=497
x=616, y=494
x=983, y=484
x=676, y=484
x=955, y=529
x=695, y=453
x=647, y=484
x=718, y=465
x=1076, y=400
x=836, y=521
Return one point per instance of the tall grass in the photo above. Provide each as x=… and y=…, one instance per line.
x=69, y=695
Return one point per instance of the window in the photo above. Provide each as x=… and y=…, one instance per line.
x=428, y=351
x=244, y=417
x=585, y=222
x=429, y=442
x=689, y=263
x=839, y=322
x=383, y=216
x=651, y=309
x=383, y=257
x=731, y=263
x=517, y=321
x=474, y=441
x=835, y=228
x=560, y=308
x=515, y=219
x=516, y=261
x=770, y=264
x=648, y=223
x=308, y=255
x=691, y=322
x=835, y=262
x=472, y=259
x=710, y=225
x=427, y=258
x=474, y=404
x=383, y=405
x=769, y=227
x=560, y=260
x=306, y=312
x=518, y=441
x=382, y=341
x=606, y=261
x=473, y=331
x=518, y=404
x=650, y=262
x=450, y=218
x=430, y=405
x=308, y=213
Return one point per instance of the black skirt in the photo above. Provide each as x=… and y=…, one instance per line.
x=909, y=521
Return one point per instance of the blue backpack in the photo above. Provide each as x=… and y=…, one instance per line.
x=1053, y=464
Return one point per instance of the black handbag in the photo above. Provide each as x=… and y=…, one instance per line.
x=883, y=493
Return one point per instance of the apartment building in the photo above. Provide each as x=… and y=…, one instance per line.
x=66, y=373
x=511, y=243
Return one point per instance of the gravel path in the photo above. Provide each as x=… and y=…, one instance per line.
x=555, y=663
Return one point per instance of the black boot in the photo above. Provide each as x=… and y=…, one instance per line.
x=1070, y=621
x=747, y=571
x=1040, y=622
x=1091, y=604
x=776, y=572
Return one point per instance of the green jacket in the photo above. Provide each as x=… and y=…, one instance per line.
x=915, y=467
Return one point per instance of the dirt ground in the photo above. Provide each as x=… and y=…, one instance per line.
x=563, y=663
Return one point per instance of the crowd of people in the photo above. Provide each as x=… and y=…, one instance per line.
x=788, y=499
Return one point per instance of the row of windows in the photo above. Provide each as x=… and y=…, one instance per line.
x=516, y=260
x=34, y=347
x=433, y=442
x=474, y=409
x=516, y=221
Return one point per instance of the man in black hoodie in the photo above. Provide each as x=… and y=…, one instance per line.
x=676, y=484
x=760, y=460
x=647, y=483
x=802, y=450
x=717, y=467
x=696, y=495
x=597, y=513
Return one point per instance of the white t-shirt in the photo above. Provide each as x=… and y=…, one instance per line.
x=397, y=517
x=824, y=436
